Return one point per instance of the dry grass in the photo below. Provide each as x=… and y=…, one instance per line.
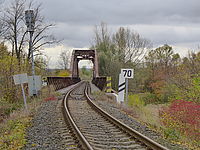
x=13, y=128
x=148, y=115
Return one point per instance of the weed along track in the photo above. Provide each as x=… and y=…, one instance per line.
x=95, y=129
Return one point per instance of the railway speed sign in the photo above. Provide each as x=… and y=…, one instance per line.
x=127, y=73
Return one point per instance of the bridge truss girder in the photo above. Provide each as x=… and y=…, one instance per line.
x=78, y=55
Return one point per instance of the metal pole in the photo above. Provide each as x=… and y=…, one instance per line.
x=33, y=67
x=126, y=91
x=24, y=96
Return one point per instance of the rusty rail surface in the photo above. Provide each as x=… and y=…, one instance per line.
x=149, y=144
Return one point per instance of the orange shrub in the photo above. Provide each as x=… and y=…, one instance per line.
x=183, y=116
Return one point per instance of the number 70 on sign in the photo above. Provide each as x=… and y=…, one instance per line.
x=127, y=73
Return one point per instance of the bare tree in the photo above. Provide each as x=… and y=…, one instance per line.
x=16, y=31
x=1, y=22
x=102, y=37
x=41, y=35
x=64, y=59
x=130, y=46
x=104, y=46
x=1, y=28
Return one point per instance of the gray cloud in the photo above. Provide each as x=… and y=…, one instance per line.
x=175, y=22
x=76, y=35
x=169, y=33
x=169, y=21
x=126, y=12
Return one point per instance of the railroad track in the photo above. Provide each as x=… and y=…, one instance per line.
x=96, y=129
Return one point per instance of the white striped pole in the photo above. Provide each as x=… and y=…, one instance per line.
x=121, y=88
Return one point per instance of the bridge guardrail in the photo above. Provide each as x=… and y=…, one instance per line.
x=100, y=82
x=62, y=82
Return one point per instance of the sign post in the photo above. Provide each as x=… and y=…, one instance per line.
x=30, y=22
x=21, y=79
x=121, y=88
x=127, y=74
x=126, y=90
x=24, y=96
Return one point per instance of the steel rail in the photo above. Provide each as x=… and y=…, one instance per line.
x=147, y=141
x=68, y=117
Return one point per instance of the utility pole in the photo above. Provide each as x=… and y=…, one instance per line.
x=30, y=23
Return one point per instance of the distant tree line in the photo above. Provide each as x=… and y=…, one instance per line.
x=160, y=73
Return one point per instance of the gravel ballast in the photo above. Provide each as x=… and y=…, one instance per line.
x=49, y=130
x=43, y=133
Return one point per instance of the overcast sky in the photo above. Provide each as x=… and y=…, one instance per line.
x=173, y=22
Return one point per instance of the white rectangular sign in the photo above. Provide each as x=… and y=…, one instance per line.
x=20, y=78
x=127, y=73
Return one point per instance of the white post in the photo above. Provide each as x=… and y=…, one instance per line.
x=24, y=96
x=126, y=91
x=121, y=88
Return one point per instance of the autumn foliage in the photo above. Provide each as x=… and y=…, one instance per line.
x=184, y=116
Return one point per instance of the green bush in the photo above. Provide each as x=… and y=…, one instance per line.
x=135, y=100
x=191, y=92
x=12, y=108
x=168, y=94
x=13, y=135
x=7, y=107
x=9, y=94
x=194, y=91
x=150, y=98
x=171, y=133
